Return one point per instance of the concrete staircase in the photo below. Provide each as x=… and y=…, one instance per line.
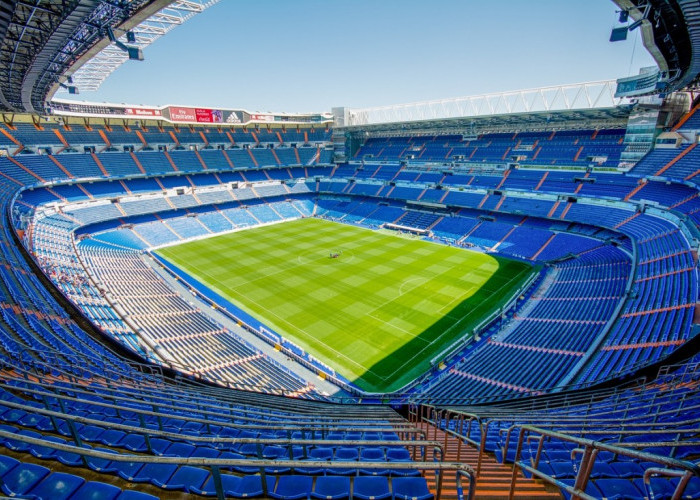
x=494, y=479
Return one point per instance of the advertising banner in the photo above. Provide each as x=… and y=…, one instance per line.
x=233, y=117
x=209, y=115
x=178, y=114
x=195, y=115
x=146, y=113
x=262, y=118
x=184, y=114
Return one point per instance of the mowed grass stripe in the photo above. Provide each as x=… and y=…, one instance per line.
x=377, y=314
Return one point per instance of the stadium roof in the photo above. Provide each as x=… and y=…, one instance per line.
x=590, y=95
x=671, y=34
x=90, y=76
x=507, y=122
x=49, y=44
x=563, y=106
x=44, y=41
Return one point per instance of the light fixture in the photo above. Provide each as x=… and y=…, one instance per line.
x=135, y=53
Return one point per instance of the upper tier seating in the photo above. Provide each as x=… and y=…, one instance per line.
x=530, y=148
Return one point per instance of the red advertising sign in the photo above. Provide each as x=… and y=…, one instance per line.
x=142, y=112
x=208, y=115
x=195, y=115
x=178, y=114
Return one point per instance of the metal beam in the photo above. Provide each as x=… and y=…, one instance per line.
x=41, y=61
x=93, y=72
x=585, y=96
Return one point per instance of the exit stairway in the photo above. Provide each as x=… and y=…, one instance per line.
x=493, y=481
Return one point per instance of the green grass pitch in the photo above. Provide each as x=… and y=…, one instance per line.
x=377, y=314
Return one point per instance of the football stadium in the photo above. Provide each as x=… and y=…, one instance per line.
x=492, y=296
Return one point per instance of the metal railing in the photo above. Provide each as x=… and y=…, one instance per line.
x=589, y=449
x=411, y=434
x=435, y=416
x=463, y=424
x=216, y=464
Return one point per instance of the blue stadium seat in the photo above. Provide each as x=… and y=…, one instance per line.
x=331, y=488
x=292, y=487
x=127, y=470
x=154, y=472
x=619, y=489
x=70, y=458
x=316, y=454
x=7, y=464
x=344, y=455
x=57, y=486
x=102, y=464
x=22, y=478
x=229, y=484
x=44, y=452
x=252, y=486
x=185, y=477
x=371, y=488
x=373, y=455
x=18, y=445
x=94, y=490
x=410, y=488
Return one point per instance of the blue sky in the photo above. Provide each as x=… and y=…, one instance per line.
x=311, y=55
